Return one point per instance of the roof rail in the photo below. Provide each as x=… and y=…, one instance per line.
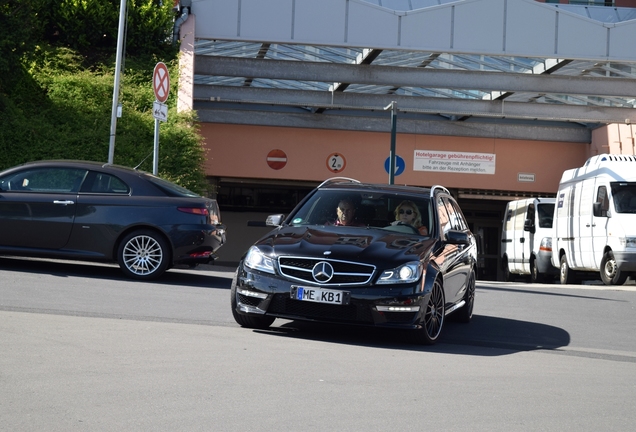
x=442, y=188
x=338, y=180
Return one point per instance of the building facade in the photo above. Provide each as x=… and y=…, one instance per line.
x=464, y=118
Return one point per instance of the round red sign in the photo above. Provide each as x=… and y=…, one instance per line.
x=161, y=82
x=276, y=159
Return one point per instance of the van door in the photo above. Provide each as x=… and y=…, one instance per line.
x=599, y=225
x=585, y=258
x=518, y=238
x=526, y=245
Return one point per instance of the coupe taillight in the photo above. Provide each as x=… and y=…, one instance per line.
x=194, y=210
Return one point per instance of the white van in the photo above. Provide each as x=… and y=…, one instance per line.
x=595, y=220
x=526, y=239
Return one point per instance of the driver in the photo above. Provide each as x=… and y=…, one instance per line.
x=408, y=213
x=346, y=211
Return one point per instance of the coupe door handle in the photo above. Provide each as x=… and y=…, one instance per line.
x=65, y=202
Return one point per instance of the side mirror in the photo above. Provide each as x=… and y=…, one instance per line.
x=528, y=225
x=275, y=220
x=457, y=238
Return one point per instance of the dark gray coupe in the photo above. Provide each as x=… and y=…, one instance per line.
x=100, y=212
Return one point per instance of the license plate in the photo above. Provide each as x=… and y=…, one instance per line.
x=320, y=295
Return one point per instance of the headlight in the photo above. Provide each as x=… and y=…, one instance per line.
x=255, y=259
x=406, y=273
x=546, y=244
x=629, y=242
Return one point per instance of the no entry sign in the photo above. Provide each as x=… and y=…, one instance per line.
x=276, y=159
x=161, y=82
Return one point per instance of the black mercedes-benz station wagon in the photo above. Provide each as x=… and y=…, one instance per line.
x=100, y=212
x=365, y=254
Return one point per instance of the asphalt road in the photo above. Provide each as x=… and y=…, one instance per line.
x=83, y=348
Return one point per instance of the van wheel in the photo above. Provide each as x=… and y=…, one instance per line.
x=535, y=276
x=566, y=275
x=505, y=269
x=610, y=274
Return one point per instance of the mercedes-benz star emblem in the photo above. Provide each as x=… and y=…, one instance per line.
x=322, y=272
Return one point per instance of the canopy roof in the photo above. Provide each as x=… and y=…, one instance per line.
x=488, y=68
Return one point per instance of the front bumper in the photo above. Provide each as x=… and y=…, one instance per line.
x=398, y=306
x=626, y=261
x=544, y=263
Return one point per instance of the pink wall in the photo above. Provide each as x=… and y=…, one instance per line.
x=615, y=138
x=241, y=151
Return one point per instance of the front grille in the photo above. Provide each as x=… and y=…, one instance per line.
x=345, y=272
x=282, y=304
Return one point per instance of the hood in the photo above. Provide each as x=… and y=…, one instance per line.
x=369, y=245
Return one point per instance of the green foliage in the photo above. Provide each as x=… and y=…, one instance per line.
x=91, y=26
x=59, y=106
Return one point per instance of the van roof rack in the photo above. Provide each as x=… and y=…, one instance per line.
x=337, y=180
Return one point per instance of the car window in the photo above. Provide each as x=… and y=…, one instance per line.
x=106, y=183
x=444, y=219
x=45, y=180
x=170, y=188
x=460, y=221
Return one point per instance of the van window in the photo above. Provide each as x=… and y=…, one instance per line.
x=601, y=197
x=530, y=214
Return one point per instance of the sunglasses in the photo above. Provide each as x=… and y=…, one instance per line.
x=408, y=212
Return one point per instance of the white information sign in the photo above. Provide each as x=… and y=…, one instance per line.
x=454, y=162
x=160, y=111
x=525, y=177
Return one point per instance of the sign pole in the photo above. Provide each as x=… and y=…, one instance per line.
x=393, y=107
x=155, y=153
x=118, y=61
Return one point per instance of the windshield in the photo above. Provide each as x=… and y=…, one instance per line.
x=546, y=213
x=624, y=195
x=366, y=209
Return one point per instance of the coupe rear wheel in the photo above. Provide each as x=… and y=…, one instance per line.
x=433, y=318
x=610, y=273
x=144, y=255
x=248, y=321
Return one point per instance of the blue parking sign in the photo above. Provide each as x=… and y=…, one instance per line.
x=399, y=165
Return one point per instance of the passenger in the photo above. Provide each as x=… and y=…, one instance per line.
x=408, y=213
x=346, y=211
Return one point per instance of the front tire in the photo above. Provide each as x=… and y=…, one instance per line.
x=566, y=275
x=143, y=255
x=433, y=318
x=247, y=321
x=610, y=274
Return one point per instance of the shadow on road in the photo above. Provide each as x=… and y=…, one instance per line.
x=221, y=279
x=484, y=336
